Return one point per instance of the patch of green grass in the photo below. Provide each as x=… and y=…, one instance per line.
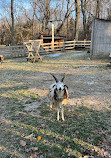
x=82, y=133
x=20, y=94
x=58, y=139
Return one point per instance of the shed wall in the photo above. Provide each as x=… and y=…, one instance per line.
x=101, y=38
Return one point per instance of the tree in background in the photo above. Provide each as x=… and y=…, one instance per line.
x=12, y=26
x=84, y=10
x=77, y=19
x=68, y=1
x=65, y=15
x=31, y=20
x=43, y=13
x=31, y=17
x=109, y=13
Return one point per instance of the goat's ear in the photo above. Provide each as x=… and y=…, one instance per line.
x=54, y=77
x=63, y=78
x=66, y=86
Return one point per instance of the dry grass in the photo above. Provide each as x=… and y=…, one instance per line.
x=25, y=115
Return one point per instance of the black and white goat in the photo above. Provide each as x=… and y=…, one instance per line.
x=58, y=96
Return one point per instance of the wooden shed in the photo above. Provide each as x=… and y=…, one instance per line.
x=48, y=38
x=101, y=38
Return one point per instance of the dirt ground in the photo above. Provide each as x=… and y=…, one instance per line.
x=89, y=83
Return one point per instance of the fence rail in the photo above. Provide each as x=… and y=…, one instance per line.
x=64, y=45
x=19, y=51
x=13, y=51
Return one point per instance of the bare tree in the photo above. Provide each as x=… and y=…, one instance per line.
x=31, y=19
x=65, y=16
x=83, y=9
x=68, y=1
x=77, y=5
x=71, y=29
x=98, y=9
x=109, y=13
x=12, y=26
x=44, y=12
x=2, y=33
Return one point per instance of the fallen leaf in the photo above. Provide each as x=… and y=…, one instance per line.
x=29, y=136
x=34, y=148
x=34, y=155
x=31, y=149
x=22, y=143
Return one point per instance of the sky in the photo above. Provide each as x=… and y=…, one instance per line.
x=7, y=3
x=20, y=3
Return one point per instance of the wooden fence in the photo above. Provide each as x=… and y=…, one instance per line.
x=13, y=51
x=21, y=51
x=61, y=46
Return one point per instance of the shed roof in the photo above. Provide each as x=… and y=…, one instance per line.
x=51, y=37
x=43, y=36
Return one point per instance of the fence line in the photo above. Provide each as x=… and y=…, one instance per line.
x=63, y=45
x=13, y=51
x=19, y=51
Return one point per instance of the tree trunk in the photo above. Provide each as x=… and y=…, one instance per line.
x=83, y=8
x=68, y=1
x=61, y=25
x=109, y=14
x=77, y=20
x=98, y=9
x=47, y=16
x=84, y=25
x=12, y=27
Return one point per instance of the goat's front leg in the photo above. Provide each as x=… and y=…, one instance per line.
x=57, y=114
x=62, y=113
x=50, y=106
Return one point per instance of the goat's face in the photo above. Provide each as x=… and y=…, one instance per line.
x=59, y=86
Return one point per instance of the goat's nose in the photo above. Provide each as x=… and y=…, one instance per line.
x=60, y=88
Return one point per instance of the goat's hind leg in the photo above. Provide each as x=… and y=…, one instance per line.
x=57, y=114
x=62, y=113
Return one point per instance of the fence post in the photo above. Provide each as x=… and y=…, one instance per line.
x=52, y=36
x=84, y=42
x=74, y=43
x=63, y=45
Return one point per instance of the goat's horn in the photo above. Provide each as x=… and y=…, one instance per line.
x=63, y=78
x=54, y=77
